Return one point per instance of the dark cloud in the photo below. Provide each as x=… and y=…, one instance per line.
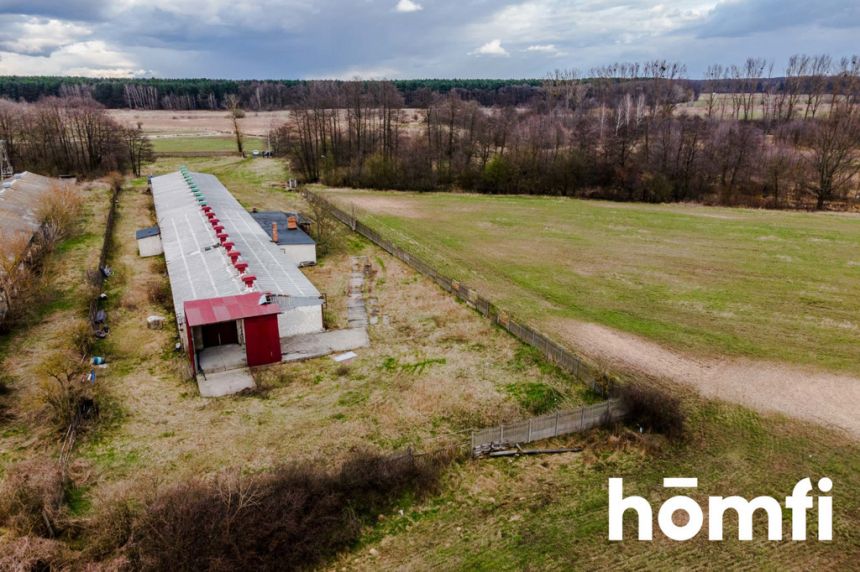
x=735, y=19
x=332, y=38
x=82, y=10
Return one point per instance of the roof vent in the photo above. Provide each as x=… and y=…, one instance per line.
x=240, y=266
x=292, y=223
x=248, y=279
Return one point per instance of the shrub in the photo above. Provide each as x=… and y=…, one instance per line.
x=536, y=398
x=294, y=517
x=80, y=336
x=28, y=553
x=652, y=409
x=31, y=498
x=65, y=396
x=158, y=293
x=59, y=212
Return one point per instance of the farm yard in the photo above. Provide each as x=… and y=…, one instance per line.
x=626, y=276
x=723, y=298
x=504, y=514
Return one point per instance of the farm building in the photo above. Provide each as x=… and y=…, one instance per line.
x=285, y=231
x=235, y=292
x=20, y=197
x=149, y=241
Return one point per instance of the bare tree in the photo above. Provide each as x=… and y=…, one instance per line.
x=236, y=113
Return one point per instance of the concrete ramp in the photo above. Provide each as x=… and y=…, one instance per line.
x=306, y=346
x=224, y=383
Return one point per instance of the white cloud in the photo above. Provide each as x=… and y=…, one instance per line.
x=93, y=58
x=543, y=48
x=408, y=6
x=590, y=22
x=38, y=36
x=491, y=48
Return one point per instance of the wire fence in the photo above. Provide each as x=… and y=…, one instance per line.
x=599, y=381
x=97, y=276
x=547, y=426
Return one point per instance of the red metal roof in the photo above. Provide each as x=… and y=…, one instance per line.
x=227, y=308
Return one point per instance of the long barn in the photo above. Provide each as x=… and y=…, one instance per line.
x=235, y=292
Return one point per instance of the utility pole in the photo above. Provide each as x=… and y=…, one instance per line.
x=6, y=170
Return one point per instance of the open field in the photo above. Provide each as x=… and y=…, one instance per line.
x=755, y=306
x=506, y=514
x=198, y=123
x=204, y=144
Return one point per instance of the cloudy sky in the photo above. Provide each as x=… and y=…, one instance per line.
x=407, y=38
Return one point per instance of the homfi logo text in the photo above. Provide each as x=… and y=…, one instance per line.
x=798, y=503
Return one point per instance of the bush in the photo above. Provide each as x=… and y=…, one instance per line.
x=158, y=293
x=63, y=393
x=80, y=335
x=32, y=554
x=31, y=497
x=536, y=398
x=652, y=409
x=294, y=517
x=59, y=212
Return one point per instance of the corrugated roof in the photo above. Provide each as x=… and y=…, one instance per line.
x=20, y=197
x=227, y=308
x=285, y=236
x=147, y=232
x=198, y=265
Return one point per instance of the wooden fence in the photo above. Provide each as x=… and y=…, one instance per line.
x=599, y=381
x=547, y=426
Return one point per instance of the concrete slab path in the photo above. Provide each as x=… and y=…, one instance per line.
x=308, y=346
x=225, y=382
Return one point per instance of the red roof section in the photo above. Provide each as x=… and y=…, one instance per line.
x=227, y=308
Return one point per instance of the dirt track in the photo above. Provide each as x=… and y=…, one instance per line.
x=824, y=398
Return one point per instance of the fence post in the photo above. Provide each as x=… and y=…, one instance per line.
x=530, y=430
x=582, y=419
x=555, y=433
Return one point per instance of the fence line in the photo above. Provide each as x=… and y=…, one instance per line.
x=547, y=426
x=568, y=361
x=97, y=277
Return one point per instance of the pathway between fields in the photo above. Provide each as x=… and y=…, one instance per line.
x=825, y=398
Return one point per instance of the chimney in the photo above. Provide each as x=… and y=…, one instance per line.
x=291, y=223
x=275, y=232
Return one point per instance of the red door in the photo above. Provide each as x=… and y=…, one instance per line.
x=262, y=340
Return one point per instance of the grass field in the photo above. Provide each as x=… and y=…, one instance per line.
x=504, y=514
x=713, y=281
x=204, y=144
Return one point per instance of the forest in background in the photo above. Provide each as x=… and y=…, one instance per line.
x=627, y=132
x=743, y=135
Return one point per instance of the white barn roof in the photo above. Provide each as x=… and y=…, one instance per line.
x=197, y=263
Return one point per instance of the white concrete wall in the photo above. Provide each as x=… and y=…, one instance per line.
x=303, y=320
x=301, y=254
x=150, y=246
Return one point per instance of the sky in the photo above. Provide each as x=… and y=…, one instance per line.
x=401, y=39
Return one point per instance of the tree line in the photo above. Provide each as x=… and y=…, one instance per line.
x=628, y=132
x=257, y=95
x=70, y=135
